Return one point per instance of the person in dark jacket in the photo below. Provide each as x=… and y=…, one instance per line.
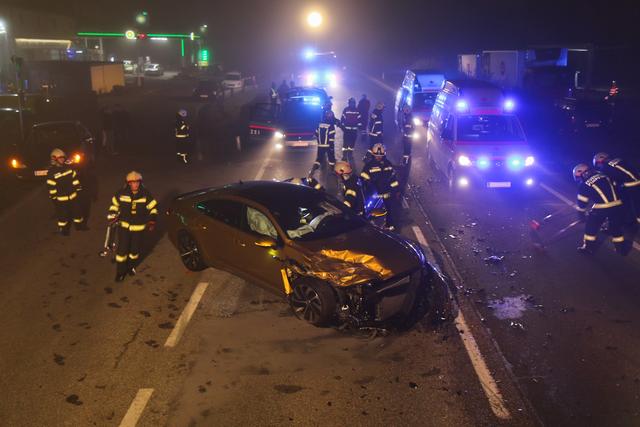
x=625, y=177
x=364, y=105
x=326, y=136
x=378, y=173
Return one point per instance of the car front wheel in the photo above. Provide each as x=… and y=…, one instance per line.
x=313, y=301
x=189, y=252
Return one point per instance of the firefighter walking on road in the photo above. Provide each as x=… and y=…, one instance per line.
x=64, y=186
x=595, y=190
x=363, y=107
x=326, y=135
x=351, y=189
x=408, y=131
x=625, y=177
x=183, y=137
x=378, y=172
x=135, y=209
x=376, y=129
x=350, y=122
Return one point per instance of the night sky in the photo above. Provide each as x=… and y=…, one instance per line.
x=244, y=32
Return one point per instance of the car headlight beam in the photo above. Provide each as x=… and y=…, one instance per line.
x=464, y=161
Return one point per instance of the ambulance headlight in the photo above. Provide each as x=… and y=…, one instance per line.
x=464, y=161
x=417, y=121
x=529, y=161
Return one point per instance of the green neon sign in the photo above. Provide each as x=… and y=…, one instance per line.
x=91, y=34
x=175, y=36
x=98, y=34
x=204, y=55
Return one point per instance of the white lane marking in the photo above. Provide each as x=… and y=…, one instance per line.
x=488, y=383
x=553, y=192
x=262, y=169
x=556, y=194
x=137, y=406
x=405, y=204
x=188, y=311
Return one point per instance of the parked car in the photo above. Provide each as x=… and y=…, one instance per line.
x=153, y=70
x=331, y=264
x=32, y=158
x=233, y=80
x=208, y=90
x=129, y=66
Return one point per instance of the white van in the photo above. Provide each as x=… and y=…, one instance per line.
x=475, y=138
x=419, y=90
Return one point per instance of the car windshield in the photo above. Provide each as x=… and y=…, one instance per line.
x=313, y=216
x=489, y=128
x=232, y=77
x=424, y=101
x=59, y=135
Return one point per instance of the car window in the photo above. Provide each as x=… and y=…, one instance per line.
x=262, y=113
x=53, y=136
x=226, y=211
x=258, y=223
x=489, y=128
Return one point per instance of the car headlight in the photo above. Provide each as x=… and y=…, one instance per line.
x=483, y=163
x=17, y=164
x=415, y=136
x=76, y=158
x=278, y=135
x=529, y=161
x=464, y=161
x=417, y=121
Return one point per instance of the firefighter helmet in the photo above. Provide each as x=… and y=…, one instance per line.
x=134, y=176
x=182, y=112
x=380, y=105
x=580, y=172
x=600, y=159
x=57, y=153
x=406, y=109
x=342, y=167
x=296, y=181
x=378, y=150
x=352, y=102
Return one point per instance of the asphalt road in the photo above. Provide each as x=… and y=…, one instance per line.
x=540, y=338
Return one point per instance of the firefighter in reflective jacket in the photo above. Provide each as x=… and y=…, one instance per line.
x=351, y=188
x=136, y=210
x=408, y=132
x=64, y=185
x=326, y=135
x=183, y=137
x=376, y=126
x=596, y=190
x=626, y=178
x=378, y=172
x=350, y=122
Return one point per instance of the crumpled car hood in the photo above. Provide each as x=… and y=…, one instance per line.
x=360, y=256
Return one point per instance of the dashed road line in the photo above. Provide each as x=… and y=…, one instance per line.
x=188, y=311
x=137, y=407
x=488, y=383
x=562, y=198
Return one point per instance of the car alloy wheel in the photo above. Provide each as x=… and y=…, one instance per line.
x=313, y=302
x=189, y=252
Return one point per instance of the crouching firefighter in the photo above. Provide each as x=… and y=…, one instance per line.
x=626, y=178
x=596, y=190
x=351, y=189
x=378, y=173
x=64, y=187
x=183, y=137
x=136, y=210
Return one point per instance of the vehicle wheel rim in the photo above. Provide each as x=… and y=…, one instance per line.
x=306, y=303
x=189, y=251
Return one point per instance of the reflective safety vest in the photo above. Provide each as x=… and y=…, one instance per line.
x=621, y=173
x=182, y=129
x=133, y=211
x=352, y=193
x=351, y=119
x=63, y=183
x=376, y=123
x=381, y=175
x=598, y=190
x=326, y=134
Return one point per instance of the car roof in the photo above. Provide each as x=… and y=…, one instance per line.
x=262, y=192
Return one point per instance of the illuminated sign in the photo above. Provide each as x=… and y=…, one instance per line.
x=130, y=35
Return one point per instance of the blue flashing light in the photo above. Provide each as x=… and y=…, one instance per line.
x=462, y=106
x=483, y=163
x=309, y=54
x=509, y=105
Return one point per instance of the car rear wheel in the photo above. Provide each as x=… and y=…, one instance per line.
x=313, y=301
x=189, y=252
x=451, y=179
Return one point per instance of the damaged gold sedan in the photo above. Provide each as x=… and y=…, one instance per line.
x=331, y=265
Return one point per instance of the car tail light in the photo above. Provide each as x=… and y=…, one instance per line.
x=76, y=158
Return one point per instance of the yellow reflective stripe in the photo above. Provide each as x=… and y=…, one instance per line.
x=78, y=220
x=137, y=227
x=124, y=224
x=631, y=184
x=111, y=216
x=125, y=198
x=346, y=202
x=51, y=182
x=152, y=204
x=74, y=174
x=53, y=191
x=153, y=211
x=318, y=186
x=365, y=175
x=375, y=169
x=181, y=136
x=389, y=168
x=113, y=209
x=607, y=205
x=350, y=193
x=583, y=198
x=61, y=174
x=618, y=239
x=121, y=258
x=62, y=223
x=114, y=201
x=134, y=256
x=589, y=238
x=600, y=193
x=285, y=281
x=67, y=198
x=75, y=182
x=623, y=170
x=394, y=184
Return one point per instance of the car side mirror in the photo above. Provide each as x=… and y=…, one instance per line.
x=266, y=242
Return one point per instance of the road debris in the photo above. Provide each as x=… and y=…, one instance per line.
x=494, y=259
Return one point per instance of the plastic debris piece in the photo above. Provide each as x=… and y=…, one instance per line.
x=517, y=325
x=452, y=236
x=513, y=274
x=494, y=259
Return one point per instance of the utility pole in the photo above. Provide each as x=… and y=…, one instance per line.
x=17, y=65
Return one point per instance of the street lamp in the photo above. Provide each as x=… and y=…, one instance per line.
x=314, y=19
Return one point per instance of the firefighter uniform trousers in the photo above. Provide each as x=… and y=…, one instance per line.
x=599, y=190
x=63, y=184
x=408, y=129
x=352, y=194
x=134, y=212
x=326, y=135
x=183, y=141
x=382, y=176
x=351, y=122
